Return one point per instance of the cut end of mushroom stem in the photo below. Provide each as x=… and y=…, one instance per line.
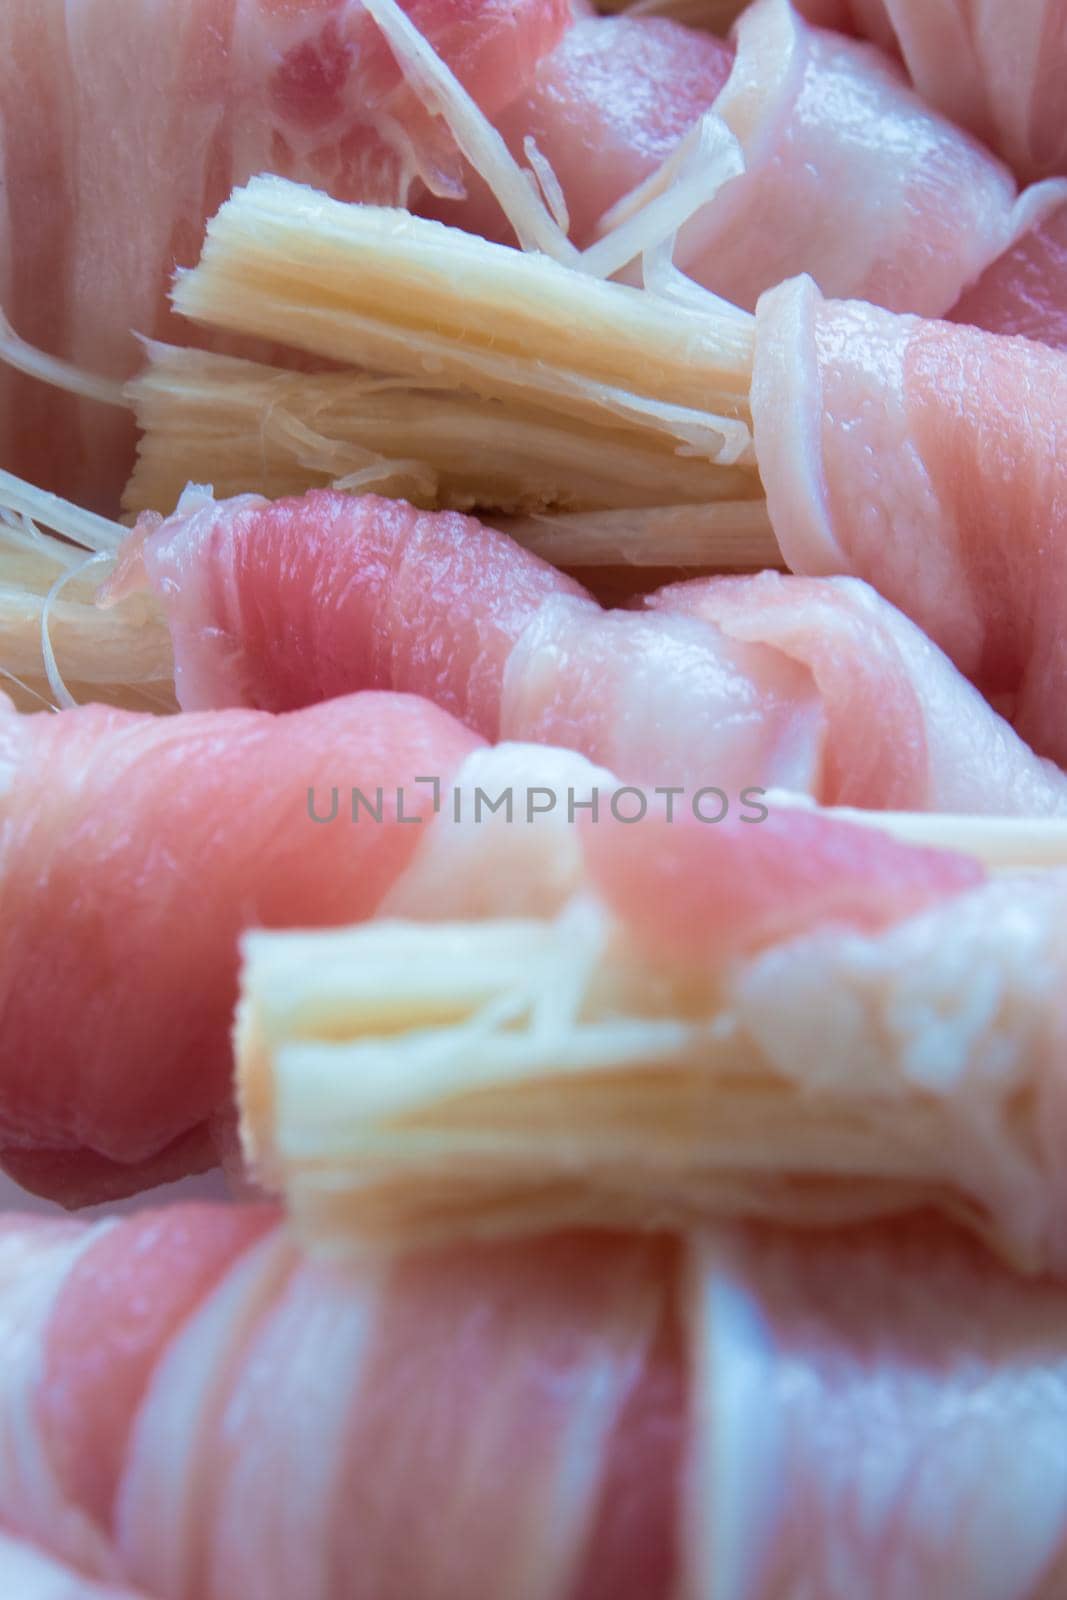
x=58, y=647
x=402, y=1082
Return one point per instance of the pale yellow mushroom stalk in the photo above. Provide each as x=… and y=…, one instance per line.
x=249, y=428
x=58, y=647
x=398, y=294
x=409, y=1080
x=463, y=375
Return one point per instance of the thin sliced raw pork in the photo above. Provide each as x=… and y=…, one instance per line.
x=848, y=174
x=121, y=136
x=994, y=68
x=1025, y=291
x=623, y=1419
x=522, y=1398
x=133, y=850
x=931, y=460
x=771, y=680
x=849, y=177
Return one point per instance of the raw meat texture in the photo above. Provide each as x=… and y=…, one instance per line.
x=903, y=729
x=751, y=1415
x=606, y=108
x=849, y=177
x=793, y=873
x=281, y=604
x=119, y=141
x=995, y=69
x=864, y=17
x=133, y=850
x=930, y=459
x=521, y=1398
x=892, y=1407
x=748, y=681
x=1025, y=291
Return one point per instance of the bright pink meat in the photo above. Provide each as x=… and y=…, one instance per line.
x=707, y=892
x=124, y=128
x=931, y=460
x=1026, y=290
x=282, y=604
x=133, y=851
x=747, y=681
x=561, y=1420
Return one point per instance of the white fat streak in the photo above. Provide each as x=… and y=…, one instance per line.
x=34, y=1267
x=34, y=363
x=166, y=1502
x=592, y=1414
x=735, y=1472
x=292, y=1402
x=485, y=866
x=485, y=149
x=28, y=1574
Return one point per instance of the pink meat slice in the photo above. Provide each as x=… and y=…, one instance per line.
x=508, y=1395
x=811, y=112
x=703, y=891
x=1025, y=291
x=276, y=605
x=849, y=177
x=864, y=17
x=133, y=851
x=931, y=460
x=280, y=604
x=904, y=730
x=124, y=128
x=662, y=700
x=894, y=1406
x=995, y=70
x=606, y=108
x=809, y=1411
x=751, y=681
